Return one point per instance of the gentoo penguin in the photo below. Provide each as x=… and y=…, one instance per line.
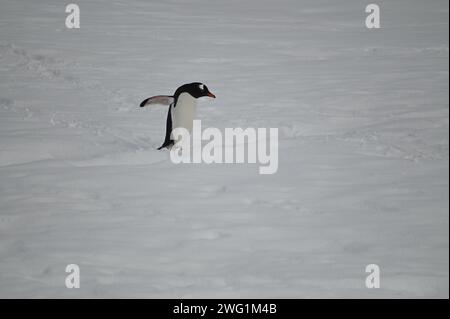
x=182, y=107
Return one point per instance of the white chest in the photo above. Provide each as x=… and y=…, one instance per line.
x=184, y=112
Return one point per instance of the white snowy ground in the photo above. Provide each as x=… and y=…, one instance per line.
x=363, y=117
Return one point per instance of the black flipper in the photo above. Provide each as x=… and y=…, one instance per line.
x=158, y=99
x=167, y=141
x=144, y=102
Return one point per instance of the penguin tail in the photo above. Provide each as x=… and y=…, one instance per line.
x=166, y=144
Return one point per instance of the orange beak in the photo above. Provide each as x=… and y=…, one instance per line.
x=211, y=95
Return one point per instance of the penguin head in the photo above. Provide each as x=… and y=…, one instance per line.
x=196, y=89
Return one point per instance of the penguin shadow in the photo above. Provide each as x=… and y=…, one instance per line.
x=211, y=191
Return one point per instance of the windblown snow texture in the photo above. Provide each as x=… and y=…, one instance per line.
x=363, y=143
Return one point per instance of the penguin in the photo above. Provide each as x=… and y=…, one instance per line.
x=182, y=108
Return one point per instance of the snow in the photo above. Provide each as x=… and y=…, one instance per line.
x=363, y=119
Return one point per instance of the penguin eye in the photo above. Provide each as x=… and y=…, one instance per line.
x=202, y=87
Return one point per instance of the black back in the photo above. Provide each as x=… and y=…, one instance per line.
x=167, y=141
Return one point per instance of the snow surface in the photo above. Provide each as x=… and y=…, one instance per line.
x=363, y=118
